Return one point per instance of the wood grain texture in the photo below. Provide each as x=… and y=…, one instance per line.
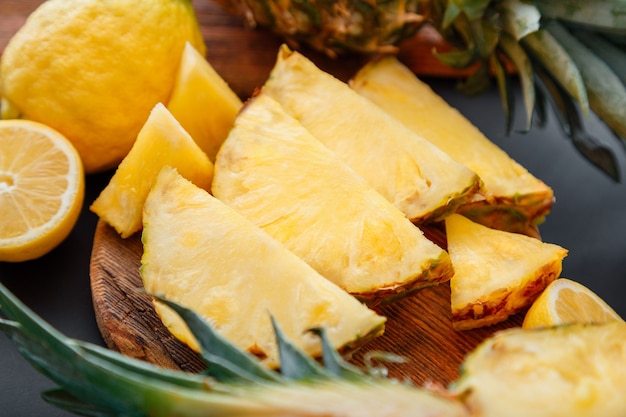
x=419, y=326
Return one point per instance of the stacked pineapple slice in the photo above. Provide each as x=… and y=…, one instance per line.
x=512, y=198
x=313, y=179
x=412, y=173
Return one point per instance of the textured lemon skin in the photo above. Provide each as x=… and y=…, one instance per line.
x=45, y=237
x=94, y=69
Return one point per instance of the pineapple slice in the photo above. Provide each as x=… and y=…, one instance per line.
x=161, y=141
x=417, y=177
x=513, y=199
x=274, y=172
x=575, y=370
x=203, y=102
x=200, y=253
x=496, y=273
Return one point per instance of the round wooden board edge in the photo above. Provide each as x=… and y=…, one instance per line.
x=419, y=326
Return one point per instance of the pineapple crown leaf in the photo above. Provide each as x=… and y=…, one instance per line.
x=294, y=363
x=98, y=382
x=225, y=361
x=63, y=400
x=523, y=66
x=549, y=90
x=518, y=18
x=506, y=90
x=473, y=9
x=333, y=362
x=604, y=16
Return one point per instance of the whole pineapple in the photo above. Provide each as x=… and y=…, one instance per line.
x=334, y=27
x=567, y=53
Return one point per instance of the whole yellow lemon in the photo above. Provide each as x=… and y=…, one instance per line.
x=93, y=69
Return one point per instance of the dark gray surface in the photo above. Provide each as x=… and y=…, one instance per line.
x=587, y=218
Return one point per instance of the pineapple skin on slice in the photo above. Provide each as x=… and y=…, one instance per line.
x=575, y=370
x=275, y=173
x=417, y=177
x=161, y=141
x=203, y=102
x=201, y=254
x=497, y=273
x=512, y=199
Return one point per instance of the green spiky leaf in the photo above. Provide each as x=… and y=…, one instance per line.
x=225, y=363
x=294, y=363
x=518, y=57
x=506, y=90
x=549, y=53
x=607, y=16
x=571, y=122
x=519, y=18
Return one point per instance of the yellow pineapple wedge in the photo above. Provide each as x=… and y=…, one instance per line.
x=512, y=198
x=202, y=101
x=496, y=273
x=201, y=254
x=161, y=141
x=577, y=370
x=416, y=176
x=275, y=173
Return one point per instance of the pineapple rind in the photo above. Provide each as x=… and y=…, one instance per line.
x=574, y=370
x=497, y=273
x=420, y=179
x=501, y=304
x=434, y=271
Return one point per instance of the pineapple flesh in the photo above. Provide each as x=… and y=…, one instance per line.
x=161, y=141
x=203, y=102
x=200, y=253
x=512, y=198
x=575, y=370
x=496, y=273
x=274, y=172
x=413, y=174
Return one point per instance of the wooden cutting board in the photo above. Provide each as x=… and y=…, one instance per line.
x=419, y=326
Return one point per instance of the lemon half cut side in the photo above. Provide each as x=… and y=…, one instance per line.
x=565, y=301
x=42, y=189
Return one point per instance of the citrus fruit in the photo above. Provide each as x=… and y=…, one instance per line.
x=161, y=141
x=41, y=189
x=93, y=70
x=565, y=301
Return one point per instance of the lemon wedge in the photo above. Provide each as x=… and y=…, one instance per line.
x=564, y=302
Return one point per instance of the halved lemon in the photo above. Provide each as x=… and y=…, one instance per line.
x=42, y=187
x=564, y=302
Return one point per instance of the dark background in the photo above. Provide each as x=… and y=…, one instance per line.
x=587, y=219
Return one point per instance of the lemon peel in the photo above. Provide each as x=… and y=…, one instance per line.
x=93, y=70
